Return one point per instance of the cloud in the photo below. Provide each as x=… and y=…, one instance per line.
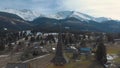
x=107, y=8
x=19, y=4
x=42, y=5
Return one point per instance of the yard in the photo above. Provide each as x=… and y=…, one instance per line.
x=90, y=62
x=114, y=49
x=82, y=62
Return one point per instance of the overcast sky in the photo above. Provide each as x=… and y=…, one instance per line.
x=106, y=8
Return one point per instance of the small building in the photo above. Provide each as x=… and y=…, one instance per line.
x=17, y=65
x=85, y=50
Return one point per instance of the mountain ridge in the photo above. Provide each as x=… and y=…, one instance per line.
x=76, y=22
x=13, y=22
x=30, y=15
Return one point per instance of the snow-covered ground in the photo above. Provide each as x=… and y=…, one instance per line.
x=1, y=56
x=34, y=58
x=111, y=57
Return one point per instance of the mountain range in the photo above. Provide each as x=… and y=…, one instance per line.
x=23, y=19
x=13, y=22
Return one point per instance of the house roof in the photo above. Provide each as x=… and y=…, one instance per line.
x=85, y=49
x=17, y=65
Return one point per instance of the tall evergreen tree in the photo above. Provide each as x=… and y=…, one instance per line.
x=101, y=53
x=2, y=47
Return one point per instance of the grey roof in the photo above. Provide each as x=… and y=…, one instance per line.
x=17, y=65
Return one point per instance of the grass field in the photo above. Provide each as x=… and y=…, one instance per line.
x=114, y=50
x=89, y=62
x=81, y=63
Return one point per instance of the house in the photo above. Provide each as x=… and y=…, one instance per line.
x=85, y=50
x=17, y=65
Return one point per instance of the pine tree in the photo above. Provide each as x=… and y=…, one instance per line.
x=101, y=53
x=32, y=39
x=2, y=47
x=26, y=38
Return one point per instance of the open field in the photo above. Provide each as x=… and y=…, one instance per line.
x=114, y=49
x=82, y=63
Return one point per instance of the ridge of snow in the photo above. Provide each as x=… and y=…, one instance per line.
x=26, y=14
x=101, y=19
x=30, y=15
x=67, y=14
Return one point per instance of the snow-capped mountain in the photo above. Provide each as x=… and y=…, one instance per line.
x=68, y=14
x=14, y=19
x=101, y=19
x=78, y=15
x=30, y=15
x=13, y=22
x=26, y=14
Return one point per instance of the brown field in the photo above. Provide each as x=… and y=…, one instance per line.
x=83, y=63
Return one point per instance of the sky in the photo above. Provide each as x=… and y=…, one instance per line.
x=97, y=8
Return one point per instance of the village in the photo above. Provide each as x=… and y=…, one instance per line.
x=30, y=49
